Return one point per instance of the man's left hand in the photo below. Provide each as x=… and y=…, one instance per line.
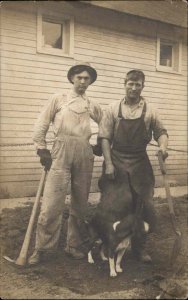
x=97, y=149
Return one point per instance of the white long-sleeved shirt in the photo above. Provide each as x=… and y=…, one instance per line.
x=69, y=114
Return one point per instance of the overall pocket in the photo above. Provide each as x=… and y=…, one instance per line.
x=55, y=149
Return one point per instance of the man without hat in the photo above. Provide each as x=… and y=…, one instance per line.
x=126, y=129
x=71, y=160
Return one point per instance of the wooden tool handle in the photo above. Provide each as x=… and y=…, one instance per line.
x=167, y=187
x=21, y=260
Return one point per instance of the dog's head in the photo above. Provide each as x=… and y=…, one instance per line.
x=129, y=225
x=124, y=227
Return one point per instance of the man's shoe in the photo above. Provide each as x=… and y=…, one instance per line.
x=74, y=253
x=144, y=258
x=35, y=258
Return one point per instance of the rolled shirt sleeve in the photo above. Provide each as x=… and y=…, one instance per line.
x=106, y=127
x=43, y=123
x=157, y=125
x=110, y=121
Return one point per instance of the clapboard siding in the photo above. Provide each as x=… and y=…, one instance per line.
x=26, y=68
x=119, y=67
x=28, y=79
x=14, y=72
x=10, y=102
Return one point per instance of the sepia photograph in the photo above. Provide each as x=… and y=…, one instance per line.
x=93, y=149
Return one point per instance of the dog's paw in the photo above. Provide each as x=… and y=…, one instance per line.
x=90, y=258
x=91, y=261
x=113, y=273
x=104, y=258
x=146, y=226
x=119, y=269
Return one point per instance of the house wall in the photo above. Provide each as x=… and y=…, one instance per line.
x=28, y=79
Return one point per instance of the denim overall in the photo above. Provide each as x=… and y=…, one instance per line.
x=72, y=162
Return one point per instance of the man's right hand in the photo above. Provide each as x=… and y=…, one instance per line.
x=110, y=171
x=45, y=158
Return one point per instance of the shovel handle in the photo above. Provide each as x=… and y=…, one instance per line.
x=166, y=184
x=177, y=244
x=168, y=194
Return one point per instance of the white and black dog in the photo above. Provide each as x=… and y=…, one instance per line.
x=115, y=220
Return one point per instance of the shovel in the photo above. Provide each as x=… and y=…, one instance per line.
x=22, y=258
x=178, y=241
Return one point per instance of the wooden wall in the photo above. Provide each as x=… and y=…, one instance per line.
x=28, y=79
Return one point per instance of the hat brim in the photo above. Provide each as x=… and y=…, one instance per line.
x=91, y=71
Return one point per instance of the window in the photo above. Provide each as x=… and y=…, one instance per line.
x=52, y=35
x=168, y=55
x=55, y=34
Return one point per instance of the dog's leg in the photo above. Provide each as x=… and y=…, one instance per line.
x=112, y=267
x=120, y=252
x=146, y=227
x=103, y=257
x=90, y=258
x=118, y=261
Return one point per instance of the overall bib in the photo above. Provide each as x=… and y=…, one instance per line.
x=133, y=167
x=129, y=153
x=73, y=159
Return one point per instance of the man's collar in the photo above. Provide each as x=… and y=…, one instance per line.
x=140, y=103
x=73, y=94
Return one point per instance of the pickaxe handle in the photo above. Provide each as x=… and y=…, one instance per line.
x=22, y=258
x=167, y=189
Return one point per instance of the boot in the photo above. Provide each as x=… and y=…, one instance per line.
x=144, y=257
x=35, y=258
x=74, y=253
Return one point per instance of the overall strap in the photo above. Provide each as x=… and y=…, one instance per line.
x=143, y=111
x=120, y=111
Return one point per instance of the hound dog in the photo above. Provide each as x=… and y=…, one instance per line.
x=115, y=221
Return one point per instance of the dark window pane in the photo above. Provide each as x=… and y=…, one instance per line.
x=166, y=55
x=52, y=34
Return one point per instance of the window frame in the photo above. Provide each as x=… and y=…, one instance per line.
x=68, y=34
x=175, y=43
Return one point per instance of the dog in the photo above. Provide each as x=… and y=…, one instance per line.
x=114, y=222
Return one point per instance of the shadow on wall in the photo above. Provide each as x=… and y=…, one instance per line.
x=4, y=194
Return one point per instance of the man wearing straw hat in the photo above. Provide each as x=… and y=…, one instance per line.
x=71, y=160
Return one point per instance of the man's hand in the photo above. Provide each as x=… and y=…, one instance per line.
x=97, y=150
x=45, y=158
x=163, y=151
x=163, y=144
x=110, y=171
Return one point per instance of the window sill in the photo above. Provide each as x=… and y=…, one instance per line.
x=167, y=70
x=55, y=52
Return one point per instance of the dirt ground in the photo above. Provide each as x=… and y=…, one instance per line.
x=60, y=277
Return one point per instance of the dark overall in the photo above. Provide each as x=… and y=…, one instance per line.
x=133, y=168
